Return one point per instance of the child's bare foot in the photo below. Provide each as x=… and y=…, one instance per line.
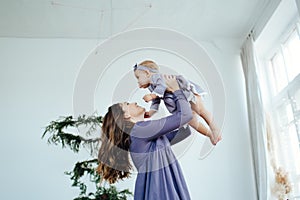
x=214, y=136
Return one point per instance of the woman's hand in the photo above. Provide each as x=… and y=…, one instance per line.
x=171, y=82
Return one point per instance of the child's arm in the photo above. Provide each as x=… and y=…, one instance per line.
x=154, y=105
x=153, y=108
x=155, y=128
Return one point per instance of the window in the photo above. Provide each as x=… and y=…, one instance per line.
x=283, y=69
x=291, y=51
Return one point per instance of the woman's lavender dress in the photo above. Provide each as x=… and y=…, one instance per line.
x=159, y=174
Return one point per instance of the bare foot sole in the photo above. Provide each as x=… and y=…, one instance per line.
x=215, y=136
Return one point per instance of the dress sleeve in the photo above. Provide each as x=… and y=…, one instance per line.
x=153, y=129
x=178, y=135
x=155, y=104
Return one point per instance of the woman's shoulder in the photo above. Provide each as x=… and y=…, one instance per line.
x=139, y=126
x=143, y=129
x=137, y=137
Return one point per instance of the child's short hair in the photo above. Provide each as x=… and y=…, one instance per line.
x=150, y=64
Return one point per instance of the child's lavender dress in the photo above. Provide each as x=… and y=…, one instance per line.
x=159, y=174
x=158, y=87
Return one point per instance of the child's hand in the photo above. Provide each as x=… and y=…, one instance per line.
x=149, y=97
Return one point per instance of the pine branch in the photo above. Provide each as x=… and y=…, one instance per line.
x=81, y=169
x=60, y=136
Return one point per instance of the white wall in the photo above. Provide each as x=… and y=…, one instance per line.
x=36, y=82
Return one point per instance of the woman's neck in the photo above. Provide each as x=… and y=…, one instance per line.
x=137, y=119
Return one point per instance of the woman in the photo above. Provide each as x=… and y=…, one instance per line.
x=149, y=143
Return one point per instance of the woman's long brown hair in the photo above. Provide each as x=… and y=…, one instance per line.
x=113, y=156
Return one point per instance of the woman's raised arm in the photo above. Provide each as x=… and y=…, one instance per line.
x=155, y=128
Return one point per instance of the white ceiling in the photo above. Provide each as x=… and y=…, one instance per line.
x=201, y=19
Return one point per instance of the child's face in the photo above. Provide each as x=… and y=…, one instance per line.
x=143, y=78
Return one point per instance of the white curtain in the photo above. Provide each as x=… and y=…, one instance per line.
x=256, y=117
x=298, y=5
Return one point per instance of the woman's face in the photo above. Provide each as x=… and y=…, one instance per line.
x=133, y=110
x=143, y=78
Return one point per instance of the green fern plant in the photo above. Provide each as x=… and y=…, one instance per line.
x=59, y=134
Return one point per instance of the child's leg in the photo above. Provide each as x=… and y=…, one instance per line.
x=198, y=126
x=199, y=108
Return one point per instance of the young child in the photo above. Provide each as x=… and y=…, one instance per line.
x=148, y=76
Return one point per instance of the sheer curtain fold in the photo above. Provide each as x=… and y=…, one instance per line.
x=298, y=6
x=256, y=117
